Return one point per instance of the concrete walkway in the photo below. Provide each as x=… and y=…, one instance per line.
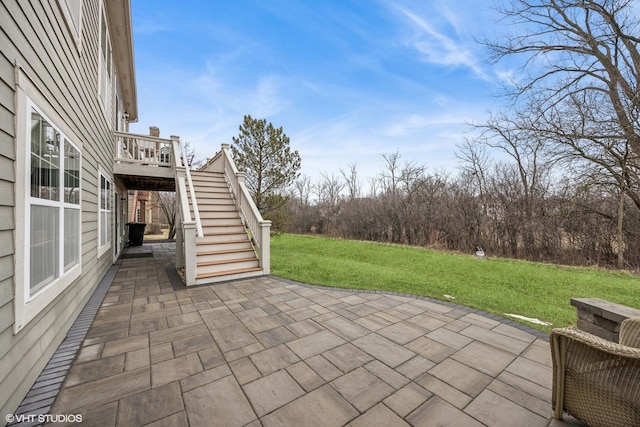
x=271, y=352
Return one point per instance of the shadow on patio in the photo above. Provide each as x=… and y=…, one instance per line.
x=268, y=351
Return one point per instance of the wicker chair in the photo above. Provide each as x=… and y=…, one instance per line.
x=595, y=380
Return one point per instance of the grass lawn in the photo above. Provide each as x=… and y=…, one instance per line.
x=495, y=285
x=164, y=234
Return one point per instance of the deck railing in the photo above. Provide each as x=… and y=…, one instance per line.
x=259, y=228
x=143, y=149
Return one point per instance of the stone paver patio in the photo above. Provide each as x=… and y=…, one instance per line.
x=267, y=351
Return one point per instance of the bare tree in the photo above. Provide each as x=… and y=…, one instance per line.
x=167, y=202
x=328, y=191
x=300, y=205
x=351, y=180
x=302, y=189
x=390, y=175
x=329, y=188
x=581, y=78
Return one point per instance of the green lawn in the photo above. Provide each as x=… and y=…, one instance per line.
x=534, y=290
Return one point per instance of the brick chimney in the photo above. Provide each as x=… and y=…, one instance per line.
x=154, y=131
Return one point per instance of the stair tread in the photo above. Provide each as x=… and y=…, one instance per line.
x=227, y=272
x=226, y=261
x=225, y=233
x=224, y=242
x=225, y=251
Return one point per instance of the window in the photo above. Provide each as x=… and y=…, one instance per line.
x=72, y=11
x=48, y=195
x=104, y=218
x=105, y=86
x=54, y=203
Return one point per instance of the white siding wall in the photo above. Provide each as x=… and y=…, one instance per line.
x=35, y=36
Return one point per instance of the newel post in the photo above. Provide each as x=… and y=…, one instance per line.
x=225, y=149
x=175, y=142
x=240, y=176
x=265, y=246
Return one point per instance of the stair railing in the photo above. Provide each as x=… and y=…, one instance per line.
x=192, y=193
x=259, y=228
x=188, y=228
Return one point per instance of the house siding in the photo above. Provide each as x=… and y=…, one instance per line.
x=34, y=35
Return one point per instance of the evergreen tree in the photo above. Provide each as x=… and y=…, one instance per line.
x=263, y=152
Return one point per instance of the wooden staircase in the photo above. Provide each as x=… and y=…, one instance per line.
x=225, y=251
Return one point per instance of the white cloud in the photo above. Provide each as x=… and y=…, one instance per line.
x=437, y=47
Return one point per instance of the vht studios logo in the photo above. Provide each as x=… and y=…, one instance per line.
x=43, y=418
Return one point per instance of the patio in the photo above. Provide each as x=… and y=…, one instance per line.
x=268, y=351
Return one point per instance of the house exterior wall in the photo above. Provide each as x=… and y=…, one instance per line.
x=44, y=58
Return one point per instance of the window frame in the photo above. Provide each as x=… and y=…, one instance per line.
x=108, y=210
x=29, y=303
x=69, y=13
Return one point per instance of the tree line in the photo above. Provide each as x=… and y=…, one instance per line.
x=546, y=214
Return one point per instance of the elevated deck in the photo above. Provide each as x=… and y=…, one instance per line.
x=143, y=162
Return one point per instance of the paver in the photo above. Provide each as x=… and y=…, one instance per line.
x=532, y=371
x=311, y=345
x=381, y=348
x=402, y=333
x=449, y=338
x=438, y=412
x=347, y=357
x=204, y=377
x=273, y=359
x=362, y=389
x=323, y=407
x=244, y=370
x=220, y=402
x=386, y=374
x=275, y=336
x=95, y=370
x=525, y=385
x=305, y=376
x=99, y=392
x=323, y=367
x=271, y=392
x=345, y=328
x=175, y=369
x=407, y=399
x=415, y=367
x=495, y=339
x=462, y=377
x=524, y=399
x=379, y=415
x=150, y=405
x=233, y=337
x=430, y=349
x=444, y=391
x=372, y=322
x=484, y=358
x=493, y=409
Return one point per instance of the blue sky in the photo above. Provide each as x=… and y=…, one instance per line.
x=348, y=80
